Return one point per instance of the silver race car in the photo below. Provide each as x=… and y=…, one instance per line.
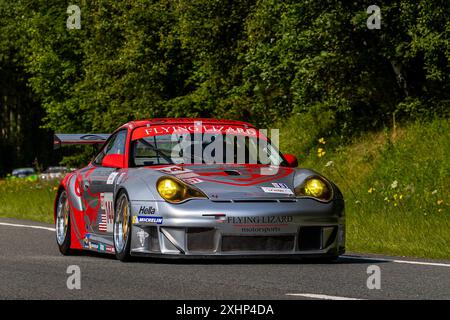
x=195, y=188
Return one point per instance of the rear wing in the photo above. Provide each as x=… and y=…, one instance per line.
x=71, y=139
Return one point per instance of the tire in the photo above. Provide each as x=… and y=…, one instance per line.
x=62, y=224
x=121, y=230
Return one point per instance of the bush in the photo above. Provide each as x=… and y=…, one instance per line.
x=395, y=186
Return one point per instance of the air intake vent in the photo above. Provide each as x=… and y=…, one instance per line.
x=257, y=243
x=310, y=238
x=200, y=239
x=232, y=172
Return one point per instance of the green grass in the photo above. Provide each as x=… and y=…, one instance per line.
x=28, y=200
x=409, y=217
x=396, y=187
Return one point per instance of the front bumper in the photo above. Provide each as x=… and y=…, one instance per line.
x=245, y=228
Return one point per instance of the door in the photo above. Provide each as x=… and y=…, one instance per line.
x=99, y=186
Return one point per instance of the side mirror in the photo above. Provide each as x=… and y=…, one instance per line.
x=113, y=161
x=291, y=160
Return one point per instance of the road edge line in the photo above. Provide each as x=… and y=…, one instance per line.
x=26, y=226
x=321, y=296
x=422, y=263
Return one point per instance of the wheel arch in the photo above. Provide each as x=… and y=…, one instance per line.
x=118, y=192
x=61, y=188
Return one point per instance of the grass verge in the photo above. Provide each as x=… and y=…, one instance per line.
x=396, y=188
x=21, y=199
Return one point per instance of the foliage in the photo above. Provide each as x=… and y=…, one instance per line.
x=395, y=185
x=30, y=200
x=261, y=61
x=21, y=140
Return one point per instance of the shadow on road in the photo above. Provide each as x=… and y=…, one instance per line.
x=265, y=261
x=231, y=261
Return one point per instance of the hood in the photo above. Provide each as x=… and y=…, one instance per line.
x=230, y=181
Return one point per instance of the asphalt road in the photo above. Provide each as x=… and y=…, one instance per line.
x=31, y=267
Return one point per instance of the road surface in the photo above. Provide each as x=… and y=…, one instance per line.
x=31, y=267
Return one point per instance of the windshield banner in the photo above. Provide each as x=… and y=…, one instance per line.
x=159, y=130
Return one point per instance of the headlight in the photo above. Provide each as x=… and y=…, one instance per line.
x=315, y=187
x=175, y=191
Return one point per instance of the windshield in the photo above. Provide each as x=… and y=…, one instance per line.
x=205, y=148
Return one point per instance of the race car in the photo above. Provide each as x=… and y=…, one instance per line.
x=54, y=173
x=196, y=188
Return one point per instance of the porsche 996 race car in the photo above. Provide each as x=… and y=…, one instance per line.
x=195, y=188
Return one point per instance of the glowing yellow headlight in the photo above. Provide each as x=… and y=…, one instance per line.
x=169, y=189
x=316, y=188
x=175, y=191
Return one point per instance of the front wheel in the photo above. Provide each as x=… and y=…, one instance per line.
x=122, y=227
x=62, y=225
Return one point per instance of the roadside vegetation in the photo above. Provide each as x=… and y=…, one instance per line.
x=396, y=185
x=29, y=200
x=367, y=107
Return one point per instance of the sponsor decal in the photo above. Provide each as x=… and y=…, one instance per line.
x=140, y=133
x=219, y=217
x=260, y=220
x=120, y=178
x=93, y=245
x=88, y=244
x=187, y=175
x=142, y=236
x=261, y=229
x=111, y=178
x=110, y=249
x=277, y=190
x=192, y=180
x=280, y=185
x=268, y=224
x=86, y=240
x=147, y=210
x=175, y=170
x=144, y=219
x=107, y=209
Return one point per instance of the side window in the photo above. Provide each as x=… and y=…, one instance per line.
x=115, y=145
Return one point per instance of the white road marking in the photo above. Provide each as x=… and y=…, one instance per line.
x=422, y=263
x=26, y=226
x=435, y=264
x=320, y=296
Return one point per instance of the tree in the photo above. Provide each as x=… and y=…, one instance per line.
x=21, y=139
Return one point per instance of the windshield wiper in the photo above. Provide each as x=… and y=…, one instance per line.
x=162, y=154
